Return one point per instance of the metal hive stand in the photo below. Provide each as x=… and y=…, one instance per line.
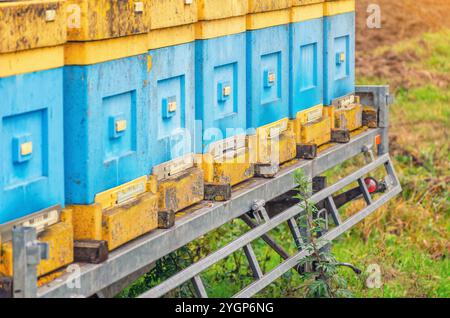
x=129, y=261
x=262, y=280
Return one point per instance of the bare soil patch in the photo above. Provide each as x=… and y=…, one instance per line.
x=401, y=20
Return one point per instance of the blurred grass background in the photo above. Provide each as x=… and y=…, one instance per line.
x=409, y=237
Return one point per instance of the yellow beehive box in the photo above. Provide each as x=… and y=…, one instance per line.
x=218, y=28
x=296, y=3
x=275, y=143
x=303, y=10
x=89, y=20
x=257, y=6
x=314, y=125
x=33, y=24
x=334, y=7
x=59, y=238
x=160, y=38
x=219, y=9
x=172, y=13
x=268, y=13
x=118, y=215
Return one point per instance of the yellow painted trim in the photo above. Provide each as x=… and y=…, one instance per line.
x=296, y=3
x=91, y=20
x=268, y=19
x=265, y=131
x=279, y=150
x=307, y=12
x=172, y=13
x=170, y=36
x=108, y=199
x=329, y=111
x=182, y=190
x=217, y=28
x=317, y=132
x=59, y=236
x=257, y=6
x=129, y=221
x=338, y=7
x=86, y=53
x=220, y=9
x=304, y=114
x=34, y=60
x=87, y=221
x=119, y=224
x=26, y=25
x=348, y=118
x=233, y=171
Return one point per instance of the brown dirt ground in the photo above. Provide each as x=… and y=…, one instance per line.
x=401, y=20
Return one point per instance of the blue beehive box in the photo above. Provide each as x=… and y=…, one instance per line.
x=31, y=143
x=221, y=87
x=105, y=125
x=306, y=67
x=339, y=45
x=221, y=109
x=172, y=102
x=267, y=75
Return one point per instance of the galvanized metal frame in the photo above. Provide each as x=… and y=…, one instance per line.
x=245, y=240
x=131, y=258
x=27, y=254
x=378, y=96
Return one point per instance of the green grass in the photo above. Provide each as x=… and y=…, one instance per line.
x=409, y=238
x=439, y=59
x=406, y=271
x=432, y=51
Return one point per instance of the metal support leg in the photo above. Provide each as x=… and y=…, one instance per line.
x=378, y=96
x=199, y=287
x=368, y=153
x=27, y=254
x=364, y=190
x=295, y=231
x=270, y=241
x=334, y=211
x=266, y=237
x=252, y=261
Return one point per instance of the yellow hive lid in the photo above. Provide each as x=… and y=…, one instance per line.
x=220, y=9
x=221, y=27
x=33, y=24
x=257, y=6
x=89, y=20
x=305, y=2
x=335, y=7
x=303, y=10
x=172, y=13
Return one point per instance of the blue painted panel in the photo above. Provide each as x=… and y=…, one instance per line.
x=172, y=102
x=105, y=126
x=31, y=114
x=267, y=75
x=339, y=56
x=306, y=81
x=220, y=88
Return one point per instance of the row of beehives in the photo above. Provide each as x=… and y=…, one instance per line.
x=154, y=105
